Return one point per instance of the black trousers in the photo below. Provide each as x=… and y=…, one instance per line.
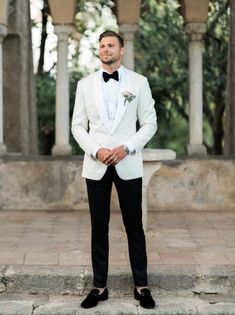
x=130, y=200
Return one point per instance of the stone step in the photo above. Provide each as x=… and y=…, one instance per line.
x=22, y=304
x=163, y=280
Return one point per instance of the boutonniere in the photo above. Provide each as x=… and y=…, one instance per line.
x=128, y=96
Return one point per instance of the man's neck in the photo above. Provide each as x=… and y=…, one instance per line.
x=111, y=68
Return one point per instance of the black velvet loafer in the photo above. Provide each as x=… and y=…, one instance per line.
x=145, y=298
x=94, y=297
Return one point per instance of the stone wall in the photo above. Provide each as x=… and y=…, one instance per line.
x=207, y=184
x=55, y=183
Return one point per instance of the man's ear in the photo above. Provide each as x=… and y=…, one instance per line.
x=122, y=51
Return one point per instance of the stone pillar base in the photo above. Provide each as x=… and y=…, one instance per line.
x=62, y=149
x=3, y=149
x=196, y=149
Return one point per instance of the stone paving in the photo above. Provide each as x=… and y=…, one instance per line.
x=57, y=305
x=50, y=248
x=63, y=238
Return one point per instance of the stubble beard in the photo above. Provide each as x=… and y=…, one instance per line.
x=108, y=62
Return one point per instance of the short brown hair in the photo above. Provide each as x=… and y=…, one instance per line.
x=112, y=34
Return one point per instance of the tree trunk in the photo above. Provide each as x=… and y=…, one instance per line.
x=218, y=128
x=43, y=37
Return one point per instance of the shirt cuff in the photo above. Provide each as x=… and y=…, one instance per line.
x=132, y=150
x=94, y=151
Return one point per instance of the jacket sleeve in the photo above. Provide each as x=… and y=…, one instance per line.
x=80, y=122
x=147, y=118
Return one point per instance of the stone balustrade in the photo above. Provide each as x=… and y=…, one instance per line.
x=55, y=183
x=152, y=162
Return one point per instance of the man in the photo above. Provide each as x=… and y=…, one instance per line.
x=107, y=106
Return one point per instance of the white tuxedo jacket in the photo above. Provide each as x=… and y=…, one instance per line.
x=90, y=123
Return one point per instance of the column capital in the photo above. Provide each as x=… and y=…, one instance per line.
x=63, y=31
x=3, y=32
x=128, y=30
x=195, y=30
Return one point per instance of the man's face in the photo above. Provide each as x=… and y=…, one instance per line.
x=110, y=50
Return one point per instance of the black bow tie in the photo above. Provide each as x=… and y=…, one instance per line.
x=108, y=76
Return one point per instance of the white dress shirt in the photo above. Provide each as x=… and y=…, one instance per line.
x=111, y=92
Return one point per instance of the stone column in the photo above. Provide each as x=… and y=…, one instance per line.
x=195, y=31
x=229, y=126
x=62, y=146
x=128, y=33
x=20, y=109
x=3, y=33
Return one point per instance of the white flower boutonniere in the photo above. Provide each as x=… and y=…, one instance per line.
x=128, y=96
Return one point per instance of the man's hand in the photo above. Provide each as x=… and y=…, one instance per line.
x=115, y=156
x=103, y=154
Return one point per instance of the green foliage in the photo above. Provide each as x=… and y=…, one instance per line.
x=46, y=112
x=161, y=48
x=161, y=55
x=75, y=76
x=215, y=72
x=46, y=86
x=89, y=14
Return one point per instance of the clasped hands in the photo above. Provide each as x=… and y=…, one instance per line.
x=111, y=156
